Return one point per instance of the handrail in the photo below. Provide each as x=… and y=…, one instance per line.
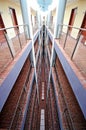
x=51, y=111
x=24, y=85
x=2, y=29
x=78, y=39
x=18, y=34
x=60, y=87
x=82, y=29
x=33, y=106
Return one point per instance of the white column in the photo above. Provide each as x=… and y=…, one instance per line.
x=31, y=35
x=33, y=20
x=49, y=19
x=61, y=4
x=27, y=17
x=39, y=25
x=24, y=10
x=38, y=18
x=59, y=20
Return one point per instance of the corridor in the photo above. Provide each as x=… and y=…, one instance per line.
x=37, y=107
x=42, y=65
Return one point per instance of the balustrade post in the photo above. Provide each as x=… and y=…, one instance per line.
x=77, y=45
x=19, y=38
x=66, y=38
x=10, y=45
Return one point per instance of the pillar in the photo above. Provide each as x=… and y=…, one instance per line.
x=59, y=20
x=49, y=19
x=33, y=21
x=24, y=10
x=61, y=4
x=39, y=25
x=25, y=6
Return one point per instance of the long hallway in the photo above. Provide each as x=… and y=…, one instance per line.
x=42, y=109
x=42, y=65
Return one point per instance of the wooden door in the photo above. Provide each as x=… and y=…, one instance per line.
x=14, y=18
x=84, y=26
x=72, y=19
x=2, y=38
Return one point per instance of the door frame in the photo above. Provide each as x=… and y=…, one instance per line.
x=14, y=18
x=72, y=18
x=83, y=25
x=2, y=37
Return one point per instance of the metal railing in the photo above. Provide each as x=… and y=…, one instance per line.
x=33, y=107
x=73, y=41
x=12, y=40
x=66, y=113
x=24, y=89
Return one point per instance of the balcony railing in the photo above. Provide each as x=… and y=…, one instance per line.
x=73, y=41
x=12, y=40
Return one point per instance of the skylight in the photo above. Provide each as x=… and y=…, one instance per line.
x=43, y=6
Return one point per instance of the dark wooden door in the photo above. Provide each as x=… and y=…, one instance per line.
x=72, y=19
x=84, y=26
x=14, y=19
x=2, y=38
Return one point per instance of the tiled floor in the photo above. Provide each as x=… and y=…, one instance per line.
x=5, y=55
x=6, y=61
